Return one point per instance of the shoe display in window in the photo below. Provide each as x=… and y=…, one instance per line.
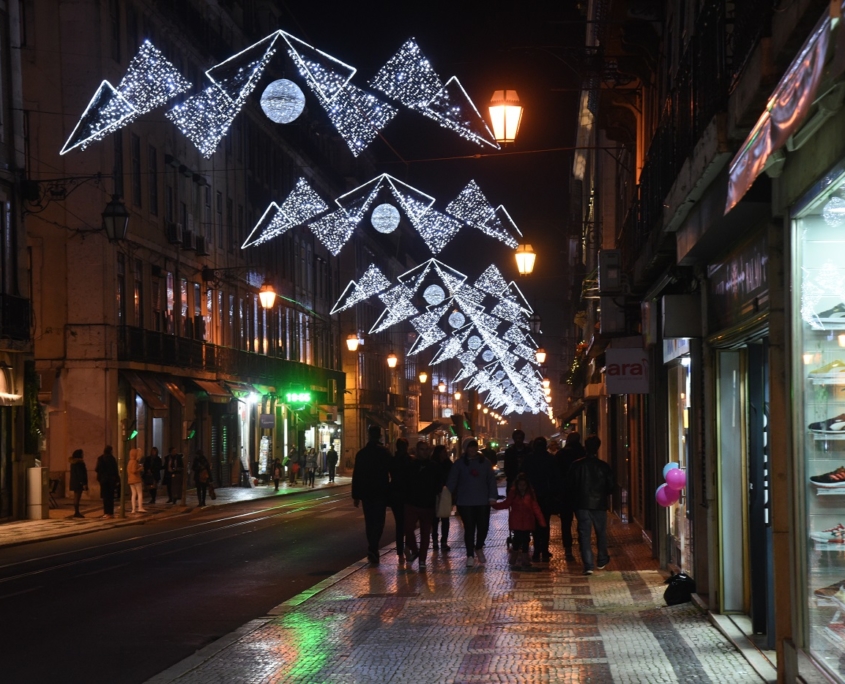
x=832, y=369
x=833, y=479
x=834, y=535
x=832, y=318
x=835, y=425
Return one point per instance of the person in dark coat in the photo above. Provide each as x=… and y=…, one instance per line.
x=398, y=475
x=571, y=452
x=331, y=463
x=173, y=470
x=422, y=485
x=276, y=472
x=371, y=486
x=108, y=476
x=152, y=473
x=514, y=456
x=440, y=456
x=590, y=481
x=202, y=476
x=78, y=480
x=541, y=471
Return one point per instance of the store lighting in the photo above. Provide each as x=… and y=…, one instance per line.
x=478, y=406
x=808, y=359
x=392, y=360
x=841, y=339
x=485, y=410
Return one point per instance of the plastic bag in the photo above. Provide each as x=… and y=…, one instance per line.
x=443, y=507
x=680, y=590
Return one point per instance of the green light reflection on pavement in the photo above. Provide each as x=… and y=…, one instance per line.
x=309, y=638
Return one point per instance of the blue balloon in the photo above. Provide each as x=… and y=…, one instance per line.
x=668, y=467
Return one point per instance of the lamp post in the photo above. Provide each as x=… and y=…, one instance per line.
x=423, y=377
x=540, y=355
x=525, y=258
x=115, y=219
x=392, y=360
x=505, y=115
x=267, y=294
x=352, y=342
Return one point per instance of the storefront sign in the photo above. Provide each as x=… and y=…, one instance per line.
x=626, y=371
x=298, y=397
x=267, y=421
x=738, y=285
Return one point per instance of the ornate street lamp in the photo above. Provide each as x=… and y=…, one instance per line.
x=267, y=295
x=505, y=115
x=115, y=219
x=534, y=323
x=525, y=258
x=457, y=396
x=352, y=342
x=540, y=355
x=485, y=410
x=546, y=383
x=441, y=387
x=423, y=377
x=392, y=360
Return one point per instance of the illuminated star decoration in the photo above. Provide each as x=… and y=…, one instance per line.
x=150, y=81
x=473, y=208
x=408, y=77
x=205, y=118
x=300, y=205
x=445, y=309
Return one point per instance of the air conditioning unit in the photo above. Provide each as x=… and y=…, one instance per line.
x=174, y=232
x=189, y=240
x=202, y=248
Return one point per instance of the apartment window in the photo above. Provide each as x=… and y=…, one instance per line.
x=139, y=293
x=187, y=328
x=168, y=203
x=219, y=317
x=155, y=296
x=230, y=224
x=256, y=330
x=168, y=314
x=244, y=324
x=199, y=321
x=231, y=339
x=135, y=151
x=153, y=181
x=183, y=215
x=121, y=289
x=114, y=18
x=241, y=231
x=219, y=207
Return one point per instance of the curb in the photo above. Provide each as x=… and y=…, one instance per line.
x=163, y=515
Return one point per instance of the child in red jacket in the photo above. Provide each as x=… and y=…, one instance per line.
x=524, y=510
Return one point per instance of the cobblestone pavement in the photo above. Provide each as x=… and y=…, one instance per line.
x=61, y=524
x=453, y=624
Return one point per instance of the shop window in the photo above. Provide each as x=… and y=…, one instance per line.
x=170, y=294
x=819, y=380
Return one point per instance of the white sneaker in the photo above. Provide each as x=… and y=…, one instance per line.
x=479, y=554
x=470, y=561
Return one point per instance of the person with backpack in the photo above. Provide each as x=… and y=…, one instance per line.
x=524, y=518
x=590, y=482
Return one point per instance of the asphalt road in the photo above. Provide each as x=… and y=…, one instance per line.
x=124, y=604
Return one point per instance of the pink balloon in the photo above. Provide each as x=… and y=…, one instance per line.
x=665, y=496
x=676, y=479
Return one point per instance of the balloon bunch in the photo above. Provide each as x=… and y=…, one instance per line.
x=669, y=492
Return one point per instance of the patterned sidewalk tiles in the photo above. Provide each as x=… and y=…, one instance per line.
x=453, y=624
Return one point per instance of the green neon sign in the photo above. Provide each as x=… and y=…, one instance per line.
x=298, y=397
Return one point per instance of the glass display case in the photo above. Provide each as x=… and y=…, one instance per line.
x=819, y=358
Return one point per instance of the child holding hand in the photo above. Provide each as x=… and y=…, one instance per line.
x=524, y=510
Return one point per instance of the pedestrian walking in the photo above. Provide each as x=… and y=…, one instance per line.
x=108, y=476
x=571, y=452
x=423, y=484
x=310, y=467
x=473, y=488
x=276, y=472
x=152, y=473
x=78, y=480
x=591, y=482
x=541, y=472
x=371, y=487
x=331, y=463
x=174, y=475
x=525, y=516
x=514, y=456
x=398, y=465
x=293, y=465
x=135, y=480
x=202, y=476
x=440, y=456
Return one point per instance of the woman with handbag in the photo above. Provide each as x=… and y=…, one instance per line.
x=443, y=507
x=202, y=476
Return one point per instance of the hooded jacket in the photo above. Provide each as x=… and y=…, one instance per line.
x=472, y=482
x=78, y=474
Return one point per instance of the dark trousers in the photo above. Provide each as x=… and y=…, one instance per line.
x=169, y=485
x=566, y=515
x=331, y=472
x=476, y=521
x=276, y=481
x=153, y=493
x=374, y=515
x=398, y=509
x=541, y=534
x=310, y=475
x=77, y=497
x=413, y=515
x=108, y=500
x=521, y=538
x=587, y=521
x=202, y=488
x=444, y=529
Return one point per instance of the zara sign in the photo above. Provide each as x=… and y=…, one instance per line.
x=626, y=371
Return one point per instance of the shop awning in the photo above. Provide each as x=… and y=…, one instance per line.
x=175, y=391
x=434, y=426
x=147, y=394
x=376, y=420
x=240, y=389
x=216, y=392
x=391, y=416
x=571, y=412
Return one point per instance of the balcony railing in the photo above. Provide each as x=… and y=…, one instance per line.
x=14, y=317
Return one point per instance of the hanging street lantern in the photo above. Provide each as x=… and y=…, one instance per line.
x=423, y=377
x=457, y=396
x=525, y=258
x=392, y=360
x=267, y=295
x=505, y=115
x=441, y=387
x=352, y=342
x=540, y=355
x=115, y=219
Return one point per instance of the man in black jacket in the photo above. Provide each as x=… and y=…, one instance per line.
x=571, y=452
x=591, y=481
x=514, y=456
x=541, y=470
x=370, y=485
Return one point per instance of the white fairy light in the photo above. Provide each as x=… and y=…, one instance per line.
x=150, y=81
x=436, y=229
x=429, y=332
x=370, y=284
x=398, y=301
x=326, y=75
x=407, y=77
x=237, y=76
x=385, y=218
x=302, y=204
x=452, y=108
x=456, y=319
x=358, y=116
x=473, y=208
x=491, y=281
x=282, y=101
x=474, y=342
x=488, y=355
x=434, y=294
x=334, y=230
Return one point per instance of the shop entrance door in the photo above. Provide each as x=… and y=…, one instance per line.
x=759, y=518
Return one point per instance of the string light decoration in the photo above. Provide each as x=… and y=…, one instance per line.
x=299, y=206
x=429, y=332
x=334, y=230
x=473, y=208
x=206, y=117
x=370, y=284
x=491, y=281
x=436, y=229
x=409, y=78
x=150, y=81
x=325, y=75
x=358, y=116
x=399, y=308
